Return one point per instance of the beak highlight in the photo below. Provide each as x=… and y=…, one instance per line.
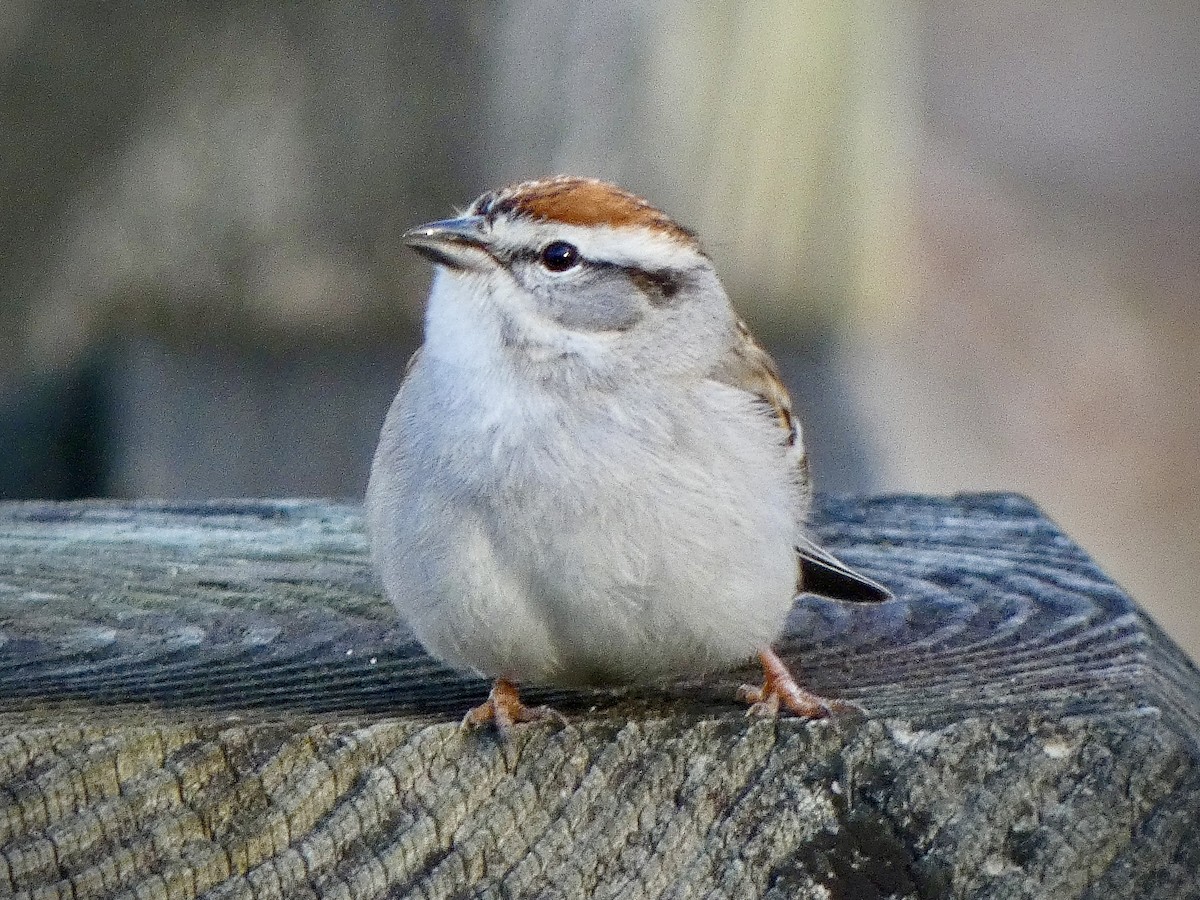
x=458, y=244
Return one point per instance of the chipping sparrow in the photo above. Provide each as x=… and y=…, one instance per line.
x=591, y=473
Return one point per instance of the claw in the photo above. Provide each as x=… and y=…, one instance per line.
x=780, y=691
x=504, y=709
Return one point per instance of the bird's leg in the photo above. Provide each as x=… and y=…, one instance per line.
x=780, y=690
x=504, y=709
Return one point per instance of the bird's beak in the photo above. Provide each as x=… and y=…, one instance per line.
x=459, y=244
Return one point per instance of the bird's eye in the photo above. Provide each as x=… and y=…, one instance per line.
x=558, y=256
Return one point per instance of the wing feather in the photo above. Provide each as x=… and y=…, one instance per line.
x=750, y=368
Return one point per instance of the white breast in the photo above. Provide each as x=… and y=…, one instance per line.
x=550, y=543
x=614, y=536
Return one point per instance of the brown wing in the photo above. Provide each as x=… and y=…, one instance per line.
x=750, y=368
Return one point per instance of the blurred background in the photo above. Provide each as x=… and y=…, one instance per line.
x=970, y=232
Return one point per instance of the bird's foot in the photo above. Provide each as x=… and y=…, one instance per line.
x=503, y=709
x=780, y=691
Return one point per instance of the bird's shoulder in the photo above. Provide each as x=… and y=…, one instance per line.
x=747, y=366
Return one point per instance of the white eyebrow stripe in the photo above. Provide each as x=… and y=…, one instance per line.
x=641, y=248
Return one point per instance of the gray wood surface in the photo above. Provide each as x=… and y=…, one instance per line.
x=214, y=700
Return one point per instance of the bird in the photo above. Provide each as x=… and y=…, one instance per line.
x=592, y=473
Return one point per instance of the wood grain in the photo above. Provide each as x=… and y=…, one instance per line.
x=214, y=700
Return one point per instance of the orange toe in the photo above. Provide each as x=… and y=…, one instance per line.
x=503, y=709
x=780, y=691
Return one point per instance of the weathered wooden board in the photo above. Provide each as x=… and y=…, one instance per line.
x=215, y=700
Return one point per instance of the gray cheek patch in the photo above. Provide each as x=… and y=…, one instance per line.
x=601, y=302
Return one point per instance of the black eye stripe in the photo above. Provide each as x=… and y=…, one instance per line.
x=661, y=286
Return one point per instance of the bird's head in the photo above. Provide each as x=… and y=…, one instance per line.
x=574, y=274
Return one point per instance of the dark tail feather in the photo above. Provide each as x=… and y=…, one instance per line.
x=823, y=573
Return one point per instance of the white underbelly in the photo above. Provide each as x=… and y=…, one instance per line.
x=620, y=562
